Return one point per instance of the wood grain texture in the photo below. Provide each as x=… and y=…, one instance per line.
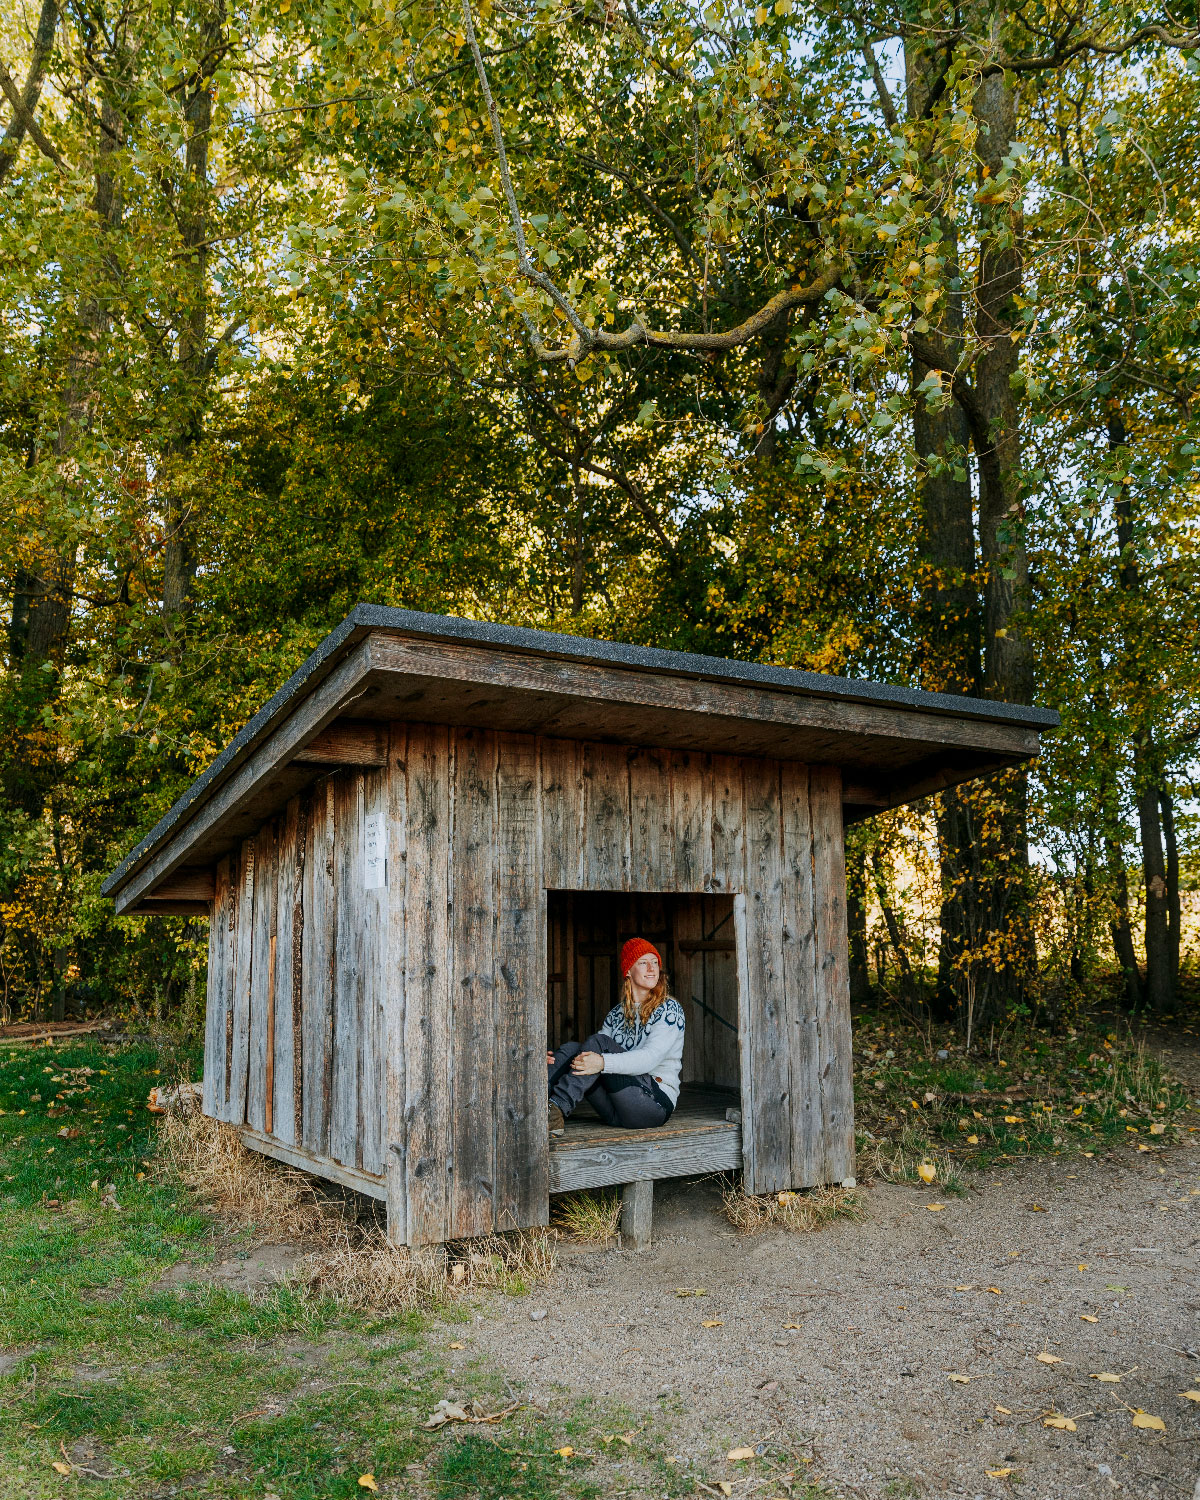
x=344, y=1141
x=606, y=818
x=835, y=1063
x=800, y=985
x=652, y=831
x=217, y=998
x=562, y=813
x=395, y=1136
x=346, y=742
x=320, y=1166
x=319, y=933
x=373, y=914
x=262, y=976
x=243, y=978
x=637, y=1214
x=624, y=1158
x=473, y=1026
x=522, y=1172
x=428, y=979
x=289, y=922
x=691, y=818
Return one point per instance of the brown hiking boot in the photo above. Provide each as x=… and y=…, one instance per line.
x=558, y=1121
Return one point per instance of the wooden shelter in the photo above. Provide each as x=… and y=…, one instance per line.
x=420, y=859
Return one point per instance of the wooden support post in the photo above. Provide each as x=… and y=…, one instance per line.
x=637, y=1214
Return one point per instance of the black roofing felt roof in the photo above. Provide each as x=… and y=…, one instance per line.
x=367, y=617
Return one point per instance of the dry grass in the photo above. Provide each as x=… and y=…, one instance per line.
x=349, y=1257
x=808, y=1210
x=900, y=1161
x=592, y=1216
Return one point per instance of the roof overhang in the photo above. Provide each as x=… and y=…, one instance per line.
x=381, y=665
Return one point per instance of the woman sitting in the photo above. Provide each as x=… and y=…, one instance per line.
x=630, y=1067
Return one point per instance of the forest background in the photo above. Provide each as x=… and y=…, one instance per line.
x=855, y=338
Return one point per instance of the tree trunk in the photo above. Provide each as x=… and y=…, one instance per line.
x=1121, y=927
x=1160, y=989
x=1174, y=908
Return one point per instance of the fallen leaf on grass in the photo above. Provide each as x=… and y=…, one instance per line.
x=1064, y=1424
x=449, y=1411
x=1190, y=1395
x=60, y=1468
x=368, y=1482
x=737, y=1454
x=1047, y=1359
x=620, y=1437
x=1012, y=1119
x=1107, y=1377
x=927, y=1171
x=566, y=1451
x=997, y=1473
x=972, y=1140
x=935, y=1208
x=713, y=1323
x=1087, y=1318
x=1144, y=1419
x=1158, y=1128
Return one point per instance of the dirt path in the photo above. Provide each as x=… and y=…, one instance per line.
x=1092, y=1261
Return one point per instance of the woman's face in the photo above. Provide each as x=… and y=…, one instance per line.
x=645, y=972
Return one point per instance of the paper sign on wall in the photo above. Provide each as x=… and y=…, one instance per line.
x=375, y=851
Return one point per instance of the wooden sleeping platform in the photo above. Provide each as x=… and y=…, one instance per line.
x=697, y=1139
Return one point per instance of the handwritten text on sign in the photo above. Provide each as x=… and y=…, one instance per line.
x=375, y=851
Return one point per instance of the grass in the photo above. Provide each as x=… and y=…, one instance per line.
x=920, y=1099
x=592, y=1216
x=804, y=1211
x=139, y=1386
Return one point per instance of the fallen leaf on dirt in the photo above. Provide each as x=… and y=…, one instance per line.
x=1190, y=1395
x=1036, y=1208
x=456, y=1345
x=1005, y=1410
x=793, y=1325
x=967, y=1286
x=1144, y=1419
x=1047, y=1359
x=1064, y=1424
x=690, y=1291
x=995, y=1289
x=927, y=1171
x=935, y=1208
x=368, y=1482
x=725, y=1487
x=997, y=1473
x=566, y=1451
x=60, y=1468
x=1087, y=1318
x=1107, y=1377
x=713, y=1323
x=1082, y=1266
x=737, y=1454
x=620, y=1437
x=960, y=1379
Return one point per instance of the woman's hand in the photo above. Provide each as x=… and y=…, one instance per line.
x=549, y=1059
x=587, y=1062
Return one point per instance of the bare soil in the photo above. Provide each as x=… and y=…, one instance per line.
x=888, y=1309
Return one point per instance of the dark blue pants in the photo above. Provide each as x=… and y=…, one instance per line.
x=633, y=1101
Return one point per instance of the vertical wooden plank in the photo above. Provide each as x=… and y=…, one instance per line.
x=473, y=1026
x=832, y=969
x=395, y=1137
x=427, y=984
x=728, y=803
x=691, y=809
x=688, y=977
x=372, y=899
x=652, y=840
x=289, y=926
x=765, y=1052
x=347, y=971
x=269, y=1083
x=562, y=813
x=606, y=817
x=243, y=978
x=317, y=956
x=216, y=1001
x=522, y=1155
x=799, y=979
x=262, y=975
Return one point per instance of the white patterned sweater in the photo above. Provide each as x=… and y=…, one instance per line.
x=655, y=1048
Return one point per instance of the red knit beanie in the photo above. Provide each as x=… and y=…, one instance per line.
x=634, y=949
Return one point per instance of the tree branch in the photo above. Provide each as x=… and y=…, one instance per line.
x=24, y=101
x=881, y=88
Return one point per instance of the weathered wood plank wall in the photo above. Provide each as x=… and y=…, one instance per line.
x=407, y=1024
